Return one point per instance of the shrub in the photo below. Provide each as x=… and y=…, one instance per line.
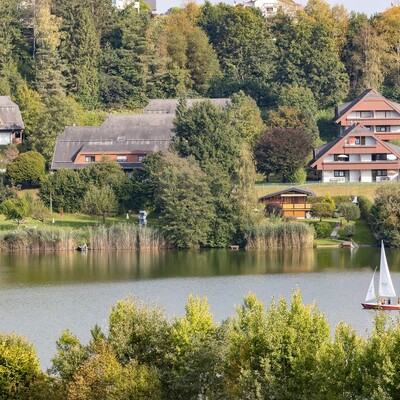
x=349, y=211
x=298, y=176
x=272, y=209
x=365, y=205
x=322, y=210
x=323, y=229
x=27, y=167
x=349, y=230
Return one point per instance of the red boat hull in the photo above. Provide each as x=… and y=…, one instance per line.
x=374, y=306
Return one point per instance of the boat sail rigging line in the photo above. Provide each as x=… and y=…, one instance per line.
x=386, y=298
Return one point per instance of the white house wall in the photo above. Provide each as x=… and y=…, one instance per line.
x=366, y=176
x=5, y=138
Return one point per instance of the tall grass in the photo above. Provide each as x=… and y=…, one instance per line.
x=280, y=234
x=101, y=237
x=40, y=239
x=124, y=236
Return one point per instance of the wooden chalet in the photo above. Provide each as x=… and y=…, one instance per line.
x=293, y=201
x=11, y=124
x=374, y=112
x=358, y=155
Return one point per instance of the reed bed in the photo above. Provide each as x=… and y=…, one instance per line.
x=40, y=239
x=124, y=237
x=280, y=235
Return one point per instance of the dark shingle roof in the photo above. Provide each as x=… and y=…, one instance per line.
x=10, y=116
x=125, y=132
x=168, y=106
x=291, y=189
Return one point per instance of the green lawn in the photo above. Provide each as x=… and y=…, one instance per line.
x=68, y=220
x=363, y=234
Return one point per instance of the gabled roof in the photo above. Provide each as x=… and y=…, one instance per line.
x=342, y=110
x=321, y=151
x=285, y=191
x=118, y=133
x=168, y=106
x=10, y=115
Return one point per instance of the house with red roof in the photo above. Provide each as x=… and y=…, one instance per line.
x=357, y=155
x=370, y=109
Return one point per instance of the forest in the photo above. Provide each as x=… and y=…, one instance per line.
x=72, y=62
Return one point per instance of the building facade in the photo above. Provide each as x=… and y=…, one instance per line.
x=357, y=155
x=292, y=202
x=11, y=124
x=374, y=112
x=121, y=4
x=269, y=8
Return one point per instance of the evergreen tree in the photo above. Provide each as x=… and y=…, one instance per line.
x=49, y=79
x=11, y=45
x=80, y=51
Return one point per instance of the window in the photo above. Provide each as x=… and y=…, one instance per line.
x=379, y=157
x=141, y=157
x=360, y=140
x=340, y=157
x=90, y=159
x=337, y=174
x=122, y=158
x=383, y=128
x=363, y=114
x=382, y=172
x=121, y=138
x=383, y=114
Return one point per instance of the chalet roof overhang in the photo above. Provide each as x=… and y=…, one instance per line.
x=288, y=192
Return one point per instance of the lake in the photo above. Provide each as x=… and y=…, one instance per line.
x=43, y=294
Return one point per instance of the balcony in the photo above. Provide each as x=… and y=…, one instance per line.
x=359, y=165
x=288, y=206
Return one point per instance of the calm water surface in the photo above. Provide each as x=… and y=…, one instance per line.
x=43, y=294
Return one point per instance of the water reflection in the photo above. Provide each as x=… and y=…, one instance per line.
x=73, y=267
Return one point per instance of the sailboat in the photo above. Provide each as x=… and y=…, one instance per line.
x=386, y=298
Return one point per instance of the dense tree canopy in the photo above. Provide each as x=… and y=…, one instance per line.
x=282, y=150
x=385, y=215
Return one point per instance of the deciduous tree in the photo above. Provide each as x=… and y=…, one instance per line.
x=282, y=151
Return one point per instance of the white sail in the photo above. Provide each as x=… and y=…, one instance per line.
x=371, y=295
x=386, y=288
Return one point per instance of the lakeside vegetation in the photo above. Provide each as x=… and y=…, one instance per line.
x=283, y=351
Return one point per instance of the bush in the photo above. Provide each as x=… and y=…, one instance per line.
x=298, y=176
x=27, y=167
x=349, y=230
x=349, y=211
x=322, y=210
x=365, y=205
x=273, y=209
x=323, y=229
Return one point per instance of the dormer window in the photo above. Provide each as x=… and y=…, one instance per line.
x=90, y=159
x=360, y=140
x=121, y=138
x=122, y=158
